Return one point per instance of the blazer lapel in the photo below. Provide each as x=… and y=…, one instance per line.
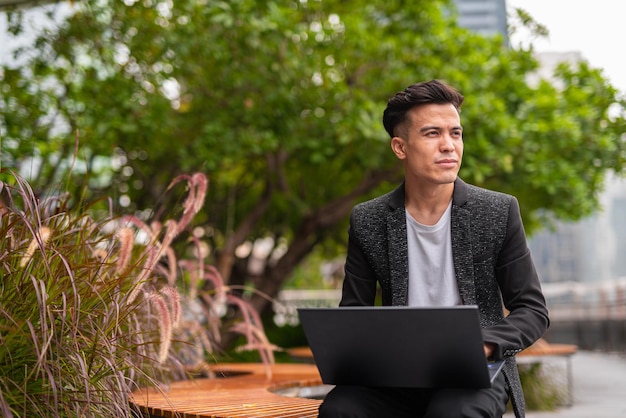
x=398, y=249
x=462, y=244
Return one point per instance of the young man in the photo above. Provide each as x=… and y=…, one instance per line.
x=437, y=241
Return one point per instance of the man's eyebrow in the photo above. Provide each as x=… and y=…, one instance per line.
x=428, y=128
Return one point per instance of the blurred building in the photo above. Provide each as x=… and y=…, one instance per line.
x=486, y=17
x=591, y=250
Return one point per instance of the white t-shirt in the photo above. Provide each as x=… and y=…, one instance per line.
x=431, y=271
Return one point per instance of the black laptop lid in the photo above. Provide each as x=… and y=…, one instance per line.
x=397, y=346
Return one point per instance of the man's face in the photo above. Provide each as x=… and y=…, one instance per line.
x=430, y=144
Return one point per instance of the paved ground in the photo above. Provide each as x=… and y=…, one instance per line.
x=599, y=387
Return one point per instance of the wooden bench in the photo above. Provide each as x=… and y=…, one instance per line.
x=244, y=391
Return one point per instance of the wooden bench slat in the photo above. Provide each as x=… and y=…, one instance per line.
x=243, y=395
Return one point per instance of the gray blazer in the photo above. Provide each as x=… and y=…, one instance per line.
x=492, y=264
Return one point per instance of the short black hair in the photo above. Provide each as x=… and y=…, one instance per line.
x=427, y=92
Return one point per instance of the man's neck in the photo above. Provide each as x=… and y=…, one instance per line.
x=427, y=204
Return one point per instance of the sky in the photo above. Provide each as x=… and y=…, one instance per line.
x=596, y=29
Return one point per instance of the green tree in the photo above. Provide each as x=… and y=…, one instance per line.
x=280, y=102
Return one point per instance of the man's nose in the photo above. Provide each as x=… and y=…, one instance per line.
x=447, y=143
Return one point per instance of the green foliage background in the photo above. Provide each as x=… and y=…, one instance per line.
x=280, y=102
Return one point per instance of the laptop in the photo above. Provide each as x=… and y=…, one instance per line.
x=435, y=347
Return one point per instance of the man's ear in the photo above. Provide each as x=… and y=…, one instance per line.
x=397, y=146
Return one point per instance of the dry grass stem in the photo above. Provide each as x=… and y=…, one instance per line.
x=92, y=305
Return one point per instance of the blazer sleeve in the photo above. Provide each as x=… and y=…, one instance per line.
x=521, y=293
x=359, y=284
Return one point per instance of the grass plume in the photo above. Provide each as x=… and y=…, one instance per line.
x=88, y=313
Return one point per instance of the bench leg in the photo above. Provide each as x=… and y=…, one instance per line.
x=570, y=382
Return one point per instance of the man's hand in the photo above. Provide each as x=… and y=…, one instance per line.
x=488, y=349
